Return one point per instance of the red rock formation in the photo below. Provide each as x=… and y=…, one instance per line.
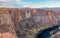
x=6, y=24
x=57, y=35
x=7, y=35
x=22, y=20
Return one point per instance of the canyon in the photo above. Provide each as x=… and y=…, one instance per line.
x=26, y=22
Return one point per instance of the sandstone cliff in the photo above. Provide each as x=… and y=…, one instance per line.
x=26, y=22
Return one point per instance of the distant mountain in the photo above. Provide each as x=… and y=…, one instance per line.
x=58, y=8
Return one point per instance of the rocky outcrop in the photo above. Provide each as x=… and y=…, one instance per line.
x=57, y=35
x=7, y=35
x=26, y=22
x=6, y=25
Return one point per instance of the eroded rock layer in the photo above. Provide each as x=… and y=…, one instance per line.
x=26, y=22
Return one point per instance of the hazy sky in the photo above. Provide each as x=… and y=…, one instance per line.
x=30, y=3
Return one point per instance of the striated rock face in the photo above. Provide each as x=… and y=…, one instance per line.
x=57, y=35
x=25, y=23
x=6, y=25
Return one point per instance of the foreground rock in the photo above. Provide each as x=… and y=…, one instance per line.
x=57, y=35
x=7, y=35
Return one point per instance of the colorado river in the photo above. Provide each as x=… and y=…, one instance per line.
x=46, y=32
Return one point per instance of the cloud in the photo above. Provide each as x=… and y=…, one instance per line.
x=4, y=0
x=7, y=3
x=24, y=4
x=13, y=3
x=20, y=2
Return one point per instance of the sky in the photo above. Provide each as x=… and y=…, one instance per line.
x=29, y=3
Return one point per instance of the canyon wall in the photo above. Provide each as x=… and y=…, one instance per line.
x=26, y=22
